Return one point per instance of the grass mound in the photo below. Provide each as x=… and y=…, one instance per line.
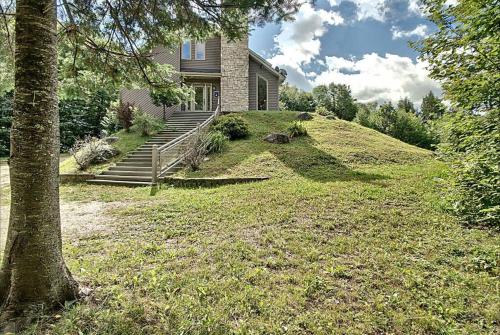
x=348, y=237
x=333, y=150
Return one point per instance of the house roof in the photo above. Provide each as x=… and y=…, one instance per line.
x=259, y=59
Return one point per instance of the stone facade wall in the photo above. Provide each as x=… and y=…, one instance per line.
x=234, y=71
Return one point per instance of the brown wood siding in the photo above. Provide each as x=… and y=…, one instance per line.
x=212, y=58
x=272, y=86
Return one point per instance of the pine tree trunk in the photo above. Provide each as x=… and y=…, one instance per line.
x=33, y=272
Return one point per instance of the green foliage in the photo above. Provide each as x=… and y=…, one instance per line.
x=399, y=124
x=5, y=122
x=144, y=123
x=297, y=129
x=294, y=99
x=232, y=126
x=168, y=93
x=337, y=99
x=463, y=55
x=406, y=105
x=432, y=108
x=80, y=118
x=471, y=143
x=6, y=53
x=384, y=118
x=110, y=123
x=321, y=110
x=124, y=113
x=217, y=141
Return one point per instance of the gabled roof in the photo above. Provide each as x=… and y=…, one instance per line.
x=259, y=59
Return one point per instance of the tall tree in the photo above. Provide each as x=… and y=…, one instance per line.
x=432, y=108
x=33, y=270
x=406, y=105
x=464, y=55
x=345, y=105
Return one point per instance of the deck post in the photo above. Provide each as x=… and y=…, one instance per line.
x=154, y=165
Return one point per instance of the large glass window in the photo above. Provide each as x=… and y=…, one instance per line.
x=199, y=51
x=261, y=93
x=186, y=49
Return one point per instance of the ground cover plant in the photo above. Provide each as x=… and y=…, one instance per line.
x=348, y=236
x=126, y=142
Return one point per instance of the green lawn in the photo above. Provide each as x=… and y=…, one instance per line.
x=348, y=237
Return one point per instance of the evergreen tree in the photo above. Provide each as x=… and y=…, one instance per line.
x=432, y=108
x=406, y=105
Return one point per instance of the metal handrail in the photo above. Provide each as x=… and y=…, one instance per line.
x=157, y=170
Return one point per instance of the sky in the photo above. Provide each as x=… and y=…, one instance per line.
x=361, y=43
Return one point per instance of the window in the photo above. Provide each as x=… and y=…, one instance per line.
x=261, y=93
x=199, y=51
x=186, y=49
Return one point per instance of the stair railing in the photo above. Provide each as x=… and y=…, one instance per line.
x=171, y=154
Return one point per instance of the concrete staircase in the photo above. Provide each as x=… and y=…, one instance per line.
x=135, y=168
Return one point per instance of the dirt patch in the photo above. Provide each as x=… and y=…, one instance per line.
x=77, y=219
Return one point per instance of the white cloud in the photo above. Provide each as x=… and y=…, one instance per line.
x=298, y=41
x=374, y=9
x=377, y=78
x=421, y=30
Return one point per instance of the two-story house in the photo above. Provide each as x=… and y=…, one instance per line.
x=216, y=68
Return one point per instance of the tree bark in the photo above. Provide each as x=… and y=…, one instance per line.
x=33, y=271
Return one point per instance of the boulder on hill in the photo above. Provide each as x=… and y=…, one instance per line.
x=277, y=138
x=305, y=116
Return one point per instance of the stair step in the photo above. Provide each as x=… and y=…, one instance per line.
x=123, y=177
x=126, y=173
x=134, y=159
x=118, y=182
x=131, y=168
x=138, y=164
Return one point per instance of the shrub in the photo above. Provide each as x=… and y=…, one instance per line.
x=470, y=143
x=216, y=141
x=297, y=129
x=144, y=123
x=232, y=126
x=124, y=114
x=110, y=123
x=196, y=151
x=321, y=110
x=90, y=151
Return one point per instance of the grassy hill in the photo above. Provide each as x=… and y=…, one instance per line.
x=347, y=237
x=333, y=150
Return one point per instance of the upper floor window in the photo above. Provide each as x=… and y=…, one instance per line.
x=186, y=49
x=199, y=51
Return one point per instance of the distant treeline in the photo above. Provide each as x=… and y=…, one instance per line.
x=403, y=121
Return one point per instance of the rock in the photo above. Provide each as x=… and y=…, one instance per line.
x=111, y=139
x=277, y=138
x=304, y=116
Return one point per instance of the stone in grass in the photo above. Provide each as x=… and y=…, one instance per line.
x=305, y=116
x=277, y=138
x=111, y=139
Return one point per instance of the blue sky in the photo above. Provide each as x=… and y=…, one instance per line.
x=362, y=43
